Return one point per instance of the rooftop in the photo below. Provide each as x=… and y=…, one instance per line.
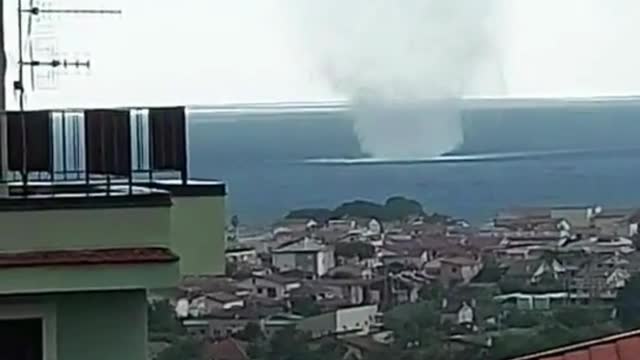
x=305, y=244
x=625, y=346
x=223, y=297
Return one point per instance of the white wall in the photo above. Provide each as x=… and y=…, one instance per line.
x=357, y=318
x=284, y=261
x=324, y=262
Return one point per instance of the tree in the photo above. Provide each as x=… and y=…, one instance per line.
x=491, y=273
x=522, y=319
x=628, y=305
x=395, y=208
x=400, y=208
x=432, y=292
x=576, y=316
x=305, y=307
x=292, y=344
x=252, y=332
x=320, y=215
x=161, y=318
x=235, y=221
x=359, y=208
x=413, y=323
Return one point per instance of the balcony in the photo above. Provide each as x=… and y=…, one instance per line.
x=101, y=200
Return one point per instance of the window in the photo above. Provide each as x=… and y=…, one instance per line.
x=22, y=339
x=28, y=332
x=271, y=292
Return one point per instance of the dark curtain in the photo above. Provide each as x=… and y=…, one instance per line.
x=108, y=142
x=168, y=139
x=39, y=146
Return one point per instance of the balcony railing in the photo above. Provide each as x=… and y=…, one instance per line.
x=105, y=147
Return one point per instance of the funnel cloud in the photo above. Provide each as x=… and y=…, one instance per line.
x=403, y=64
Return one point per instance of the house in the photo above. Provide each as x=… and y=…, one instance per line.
x=350, y=271
x=458, y=270
x=405, y=286
x=580, y=216
x=307, y=254
x=355, y=290
x=202, y=305
x=325, y=297
x=541, y=274
x=409, y=253
x=350, y=321
x=623, y=346
x=295, y=225
x=575, y=215
x=616, y=222
x=537, y=240
x=602, y=244
x=242, y=255
x=531, y=226
x=541, y=301
x=598, y=280
x=79, y=257
x=222, y=300
x=193, y=286
x=458, y=311
x=270, y=286
x=220, y=324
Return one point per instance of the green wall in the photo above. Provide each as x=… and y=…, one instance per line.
x=197, y=234
x=88, y=277
x=107, y=325
x=85, y=228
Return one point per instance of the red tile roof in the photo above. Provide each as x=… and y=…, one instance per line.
x=87, y=257
x=227, y=349
x=625, y=346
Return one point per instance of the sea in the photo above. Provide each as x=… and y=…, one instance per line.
x=515, y=152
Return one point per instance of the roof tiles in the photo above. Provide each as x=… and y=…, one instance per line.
x=86, y=257
x=625, y=346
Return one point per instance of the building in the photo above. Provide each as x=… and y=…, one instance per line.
x=350, y=321
x=306, y=254
x=542, y=301
x=458, y=270
x=242, y=255
x=270, y=286
x=617, y=222
x=579, y=216
x=102, y=225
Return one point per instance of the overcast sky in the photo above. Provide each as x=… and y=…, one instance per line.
x=228, y=51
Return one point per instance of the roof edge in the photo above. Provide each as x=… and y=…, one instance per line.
x=579, y=346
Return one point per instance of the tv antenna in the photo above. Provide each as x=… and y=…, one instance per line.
x=54, y=63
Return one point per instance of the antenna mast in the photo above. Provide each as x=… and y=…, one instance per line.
x=4, y=153
x=33, y=11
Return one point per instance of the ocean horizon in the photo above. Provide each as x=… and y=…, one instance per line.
x=279, y=157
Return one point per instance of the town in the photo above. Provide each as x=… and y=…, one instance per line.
x=366, y=280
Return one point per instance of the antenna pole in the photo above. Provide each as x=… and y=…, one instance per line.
x=33, y=11
x=4, y=148
x=23, y=126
